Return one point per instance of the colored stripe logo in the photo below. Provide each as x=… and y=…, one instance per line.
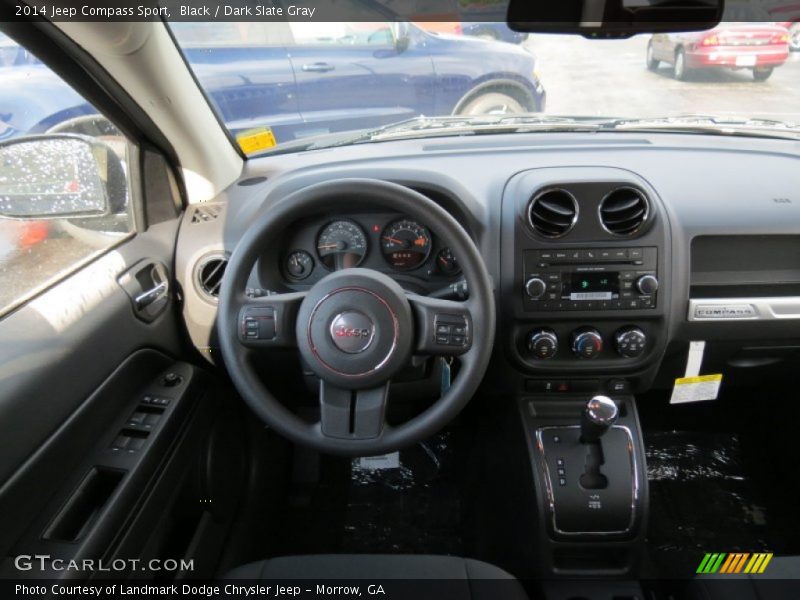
x=735, y=562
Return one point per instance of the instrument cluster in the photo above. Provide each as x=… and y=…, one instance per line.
x=390, y=243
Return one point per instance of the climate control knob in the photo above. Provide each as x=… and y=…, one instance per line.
x=543, y=343
x=647, y=284
x=587, y=342
x=630, y=342
x=535, y=287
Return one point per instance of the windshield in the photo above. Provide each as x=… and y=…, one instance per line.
x=274, y=83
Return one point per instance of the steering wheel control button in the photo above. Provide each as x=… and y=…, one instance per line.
x=587, y=343
x=630, y=342
x=543, y=343
x=352, y=331
x=257, y=324
x=451, y=330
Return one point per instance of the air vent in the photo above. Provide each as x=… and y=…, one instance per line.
x=624, y=211
x=553, y=213
x=204, y=214
x=210, y=273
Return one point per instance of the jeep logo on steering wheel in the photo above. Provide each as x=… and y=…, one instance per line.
x=352, y=331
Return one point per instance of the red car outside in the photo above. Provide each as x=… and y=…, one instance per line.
x=759, y=47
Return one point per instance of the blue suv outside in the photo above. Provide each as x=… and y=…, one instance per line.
x=298, y=78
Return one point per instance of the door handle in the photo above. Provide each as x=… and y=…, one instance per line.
x=150, y=296
x=318, y=67
x=147, y=285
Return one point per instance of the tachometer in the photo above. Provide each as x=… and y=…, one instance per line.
x=341, y=245
x=405, y=244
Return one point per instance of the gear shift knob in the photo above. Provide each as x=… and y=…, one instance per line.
x=601, y=412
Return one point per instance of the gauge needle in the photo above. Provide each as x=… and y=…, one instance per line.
x=393, y=240
x=327, y=247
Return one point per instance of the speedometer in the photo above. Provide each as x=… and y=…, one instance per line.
x=405, y=244
x=341, y=245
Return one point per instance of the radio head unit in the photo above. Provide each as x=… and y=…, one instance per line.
x=590, y=279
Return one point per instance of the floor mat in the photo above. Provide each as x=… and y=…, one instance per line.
x=702, y=500
x=413, y=508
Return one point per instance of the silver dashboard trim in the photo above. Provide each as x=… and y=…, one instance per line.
x=744, y=309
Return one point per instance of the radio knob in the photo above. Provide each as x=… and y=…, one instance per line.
x=535, y=287
x=587, y=342
x=543, y=343
x=647, y=284
x=630, y=342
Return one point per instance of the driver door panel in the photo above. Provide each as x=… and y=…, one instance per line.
x=85, y=447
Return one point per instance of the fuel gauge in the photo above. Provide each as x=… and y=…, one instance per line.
x=299, y=265
x=447, y=262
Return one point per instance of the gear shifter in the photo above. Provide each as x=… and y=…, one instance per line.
x=599, y=415
x=601, y=412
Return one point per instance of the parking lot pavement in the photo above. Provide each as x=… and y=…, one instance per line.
x=609, y=78
x=23, y=269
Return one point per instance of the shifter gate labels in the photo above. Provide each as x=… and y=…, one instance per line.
x=696, y=389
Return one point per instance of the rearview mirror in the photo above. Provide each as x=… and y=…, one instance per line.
x=58, y=176
x=613, y=18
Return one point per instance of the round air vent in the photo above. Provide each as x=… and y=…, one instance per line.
x=210, y=273
x=624, y=211
x=553, y=213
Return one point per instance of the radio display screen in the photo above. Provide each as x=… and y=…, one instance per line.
x=594, y=286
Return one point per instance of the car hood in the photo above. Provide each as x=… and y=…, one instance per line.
x=476, y=43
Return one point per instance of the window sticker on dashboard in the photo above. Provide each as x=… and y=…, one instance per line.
x=256, y=140
x=693, y=387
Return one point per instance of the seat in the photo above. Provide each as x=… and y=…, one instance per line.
x=466, y=578
x=780, y=581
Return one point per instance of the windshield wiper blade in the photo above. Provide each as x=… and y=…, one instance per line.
x=482, y=124
x=751, y=126
x=442, y=126
x=489, y=128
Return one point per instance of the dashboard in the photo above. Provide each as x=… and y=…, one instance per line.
x=608, y=252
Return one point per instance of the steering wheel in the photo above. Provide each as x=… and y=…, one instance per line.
x=355, y=328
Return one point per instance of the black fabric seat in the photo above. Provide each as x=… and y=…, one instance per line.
x=466, y=578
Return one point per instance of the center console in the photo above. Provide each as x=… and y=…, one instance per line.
x=590, y=479
x=586, y=286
